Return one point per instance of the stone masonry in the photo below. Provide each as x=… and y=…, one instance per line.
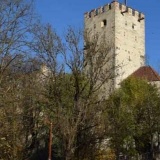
x=124, y=30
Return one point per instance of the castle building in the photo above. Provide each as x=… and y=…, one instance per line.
x=124, y=31
x=149, y=74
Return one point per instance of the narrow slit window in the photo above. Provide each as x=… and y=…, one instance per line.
x=133, y=26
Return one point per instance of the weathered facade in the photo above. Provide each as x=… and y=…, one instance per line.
x=124, y=31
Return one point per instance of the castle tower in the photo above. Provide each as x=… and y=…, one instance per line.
x=124, y=30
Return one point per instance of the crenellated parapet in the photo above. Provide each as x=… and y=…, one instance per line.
x=115, y=5
x=98, y=11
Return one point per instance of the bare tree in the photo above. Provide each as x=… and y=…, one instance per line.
x=71, y=93
x=15, y=23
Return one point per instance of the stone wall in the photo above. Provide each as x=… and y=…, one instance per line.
x=124, y=31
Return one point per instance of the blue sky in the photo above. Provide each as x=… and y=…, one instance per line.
x=63, y=13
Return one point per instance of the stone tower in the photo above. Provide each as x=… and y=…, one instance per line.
x=124, y=29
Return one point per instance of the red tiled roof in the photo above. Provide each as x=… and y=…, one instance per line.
x=146, y=72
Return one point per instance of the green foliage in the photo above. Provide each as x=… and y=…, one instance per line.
x=133, y=115
x=71, y=109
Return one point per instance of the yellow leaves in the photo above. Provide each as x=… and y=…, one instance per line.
x=106, y=154
x=135, y=90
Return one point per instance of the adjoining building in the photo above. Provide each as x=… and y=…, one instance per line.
x=149, y=74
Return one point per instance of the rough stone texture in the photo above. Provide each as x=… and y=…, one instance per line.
x=124, y=33
x=129, y=42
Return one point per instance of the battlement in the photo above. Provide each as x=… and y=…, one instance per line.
x=115, y=5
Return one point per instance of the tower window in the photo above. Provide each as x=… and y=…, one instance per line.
x=133, y=26
x=104, y=23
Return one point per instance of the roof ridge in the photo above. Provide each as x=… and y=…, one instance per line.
x=146, y=72
x=154, y=72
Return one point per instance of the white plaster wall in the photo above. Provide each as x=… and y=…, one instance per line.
x=129, y=43
x=93, y=25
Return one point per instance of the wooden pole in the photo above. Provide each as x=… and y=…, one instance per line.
x=125, y=2
x=50, y=143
